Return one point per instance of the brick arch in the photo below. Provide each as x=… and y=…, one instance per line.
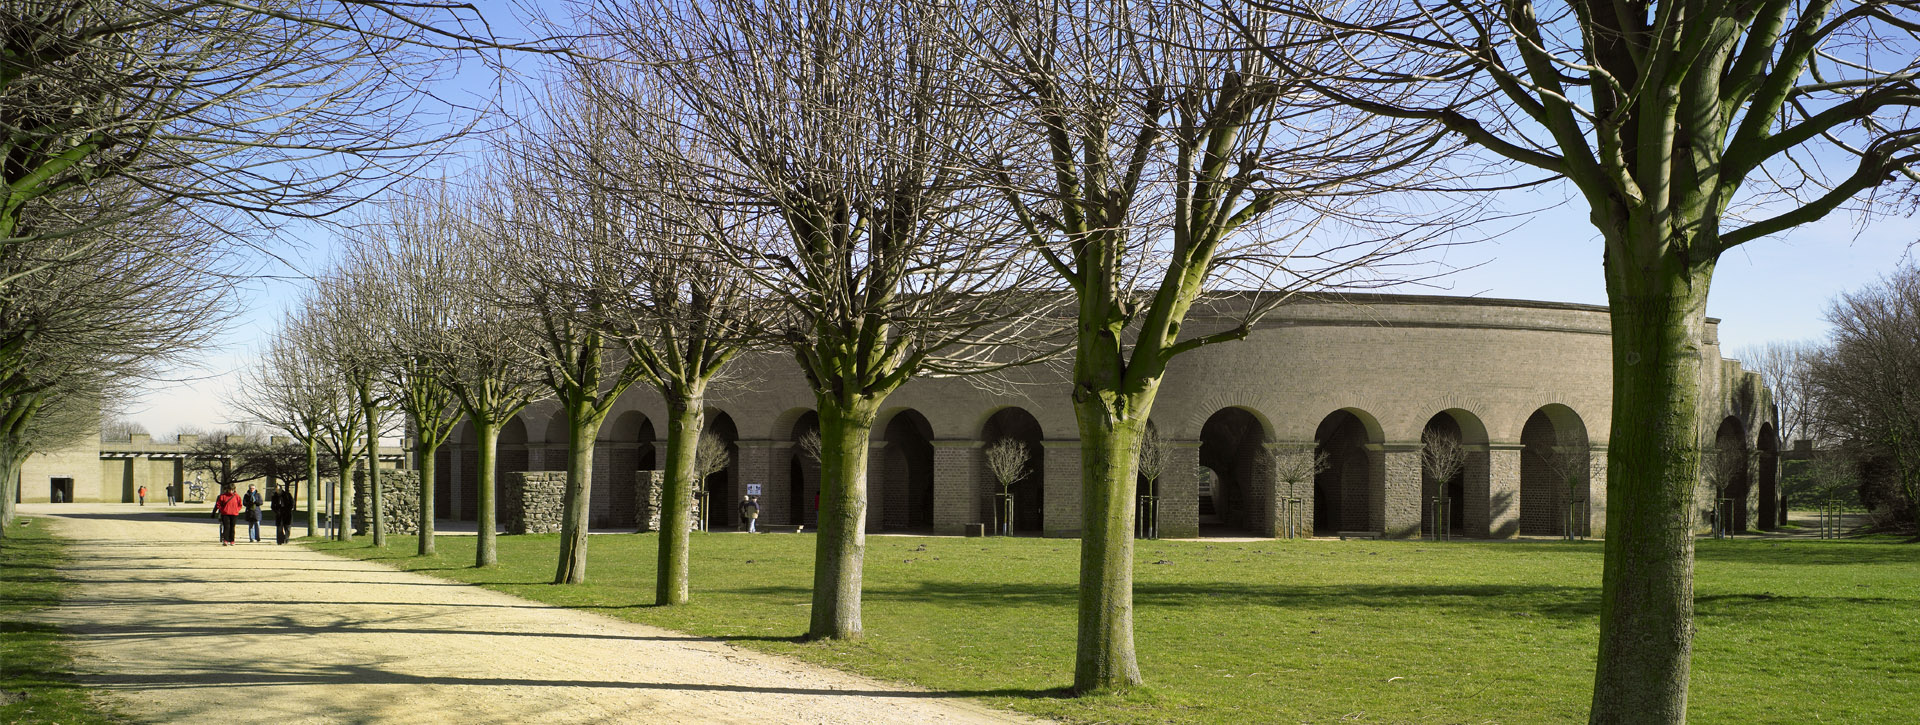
x=1029, y=493
x=904, y=497
x=802, y=471
x=722, y=487
x=626, y=447
x=1233, y=446
x=1767, y=457
x=1191, y=419
x=1464, y=497
x=1349, y=495
x=781, y=426
x=1555, y=472
x=556, y=429
x=1728, y=470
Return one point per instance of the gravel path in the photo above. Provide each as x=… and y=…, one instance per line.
x=176, y=628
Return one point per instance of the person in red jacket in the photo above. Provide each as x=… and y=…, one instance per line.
x=227, y=508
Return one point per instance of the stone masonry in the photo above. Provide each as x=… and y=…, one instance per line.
x=399, y=501
x=532, y=502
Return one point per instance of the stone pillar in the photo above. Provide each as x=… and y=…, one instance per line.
x=531, y=502
x=1475, y=494
x=647, y=499
x=1400, y=505
x=1180, y=490
x=1061, y=489
x=1291, y=503
x=1503, y=490
x=876, y=485
x=1597, y=487
x=957, y=473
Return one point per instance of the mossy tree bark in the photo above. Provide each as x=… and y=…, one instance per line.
x=846, y=428
x=486, y=434
x=424, y=452
x=370, y=410
x=313, y=486
x=686, y=419
x=584, y=418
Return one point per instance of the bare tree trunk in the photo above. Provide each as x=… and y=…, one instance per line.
x=9, y=488
x=313, y=486
x=345, y=505
x=1653, y=459
x=1104, y=657
x=487, y=434
x=379, y=523
x=424, y=452
x=583, y=425
x=840, y=549
x=686, y=417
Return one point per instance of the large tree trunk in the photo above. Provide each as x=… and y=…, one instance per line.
x=1109, y=449
x=424, y=453
x=9, y=488
x=379, y=523
x=486, y=433
x=313, y=487
x=685, y=419
x=583, y=425
x=1653, y=460
x=841, y=547
x=345, y=504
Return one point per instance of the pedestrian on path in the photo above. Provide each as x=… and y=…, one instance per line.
x=172, y=497
x=253, y=502
x=226, y=508
x=750, y=510
x=143, y=495
x=282, y=514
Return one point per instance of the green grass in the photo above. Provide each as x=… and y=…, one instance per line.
x=1282, y=631
x=35, y=681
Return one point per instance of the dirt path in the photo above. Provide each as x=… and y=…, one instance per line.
x=178, y=629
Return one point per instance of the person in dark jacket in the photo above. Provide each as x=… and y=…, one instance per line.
x=227, y=508
x=253, y=502
x=282, y=514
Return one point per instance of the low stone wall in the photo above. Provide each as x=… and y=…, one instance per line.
x=532, y=502
x=399, y=501
x=649, y=498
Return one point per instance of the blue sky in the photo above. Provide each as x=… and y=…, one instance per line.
x=1771, y=289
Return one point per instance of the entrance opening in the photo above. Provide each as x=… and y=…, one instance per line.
x=1029, y=491
x=61, y=490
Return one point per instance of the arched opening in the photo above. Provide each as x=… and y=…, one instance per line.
x=1453, y=473
x=1727, y=471
x=1029, y=491
x=1347, y=493
x=1770, y=503
x=722, y=498
x=511, y=448
x=1555, y=489
x=906, y=488
x=628, y=450
x=444, y=504
x=553, y=457
x=803, y=474
x=1233, y=447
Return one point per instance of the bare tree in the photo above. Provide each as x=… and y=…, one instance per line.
x=844, y=124
x=1866, y=385
x=485, y=355
x=1688, y=129
x=1783, y=367
x=290, y=390
x=236, y=110
x=1007, y=461
x=403, y=247
x=1155, y=169
x=344, y=317
x=121, y=429
x=339, y=422
x=1442, y=457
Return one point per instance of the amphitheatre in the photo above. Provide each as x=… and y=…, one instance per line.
x=1522, y=385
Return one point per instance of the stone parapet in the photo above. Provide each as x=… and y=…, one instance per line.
x=399, y=501
x=532, y=502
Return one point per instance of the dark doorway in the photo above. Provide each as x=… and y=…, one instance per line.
x=61, y=490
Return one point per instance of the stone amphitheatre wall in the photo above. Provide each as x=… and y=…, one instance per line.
x=1525, y=387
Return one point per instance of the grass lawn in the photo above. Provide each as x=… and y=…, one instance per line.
x=1282, y=631
x=35, y=686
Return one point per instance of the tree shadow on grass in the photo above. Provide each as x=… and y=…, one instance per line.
x=1808, y=553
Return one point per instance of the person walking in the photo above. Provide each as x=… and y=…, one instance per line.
x=143, y=495
x=750, y=511
x=253, y=502
x=227, y=508
x=173, y=496
x=282, y=514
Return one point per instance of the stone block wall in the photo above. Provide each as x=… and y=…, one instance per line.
x=532, y=502
x=648, y=485
x=399, y=501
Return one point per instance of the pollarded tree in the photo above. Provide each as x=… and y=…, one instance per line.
x=345, y=318
x=339, y=422
x=1688, y=129
x=645, y=266
x=1157, y=169
x=288, y=389
x=400, y=246
x=844, y=123
x=485, y=354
